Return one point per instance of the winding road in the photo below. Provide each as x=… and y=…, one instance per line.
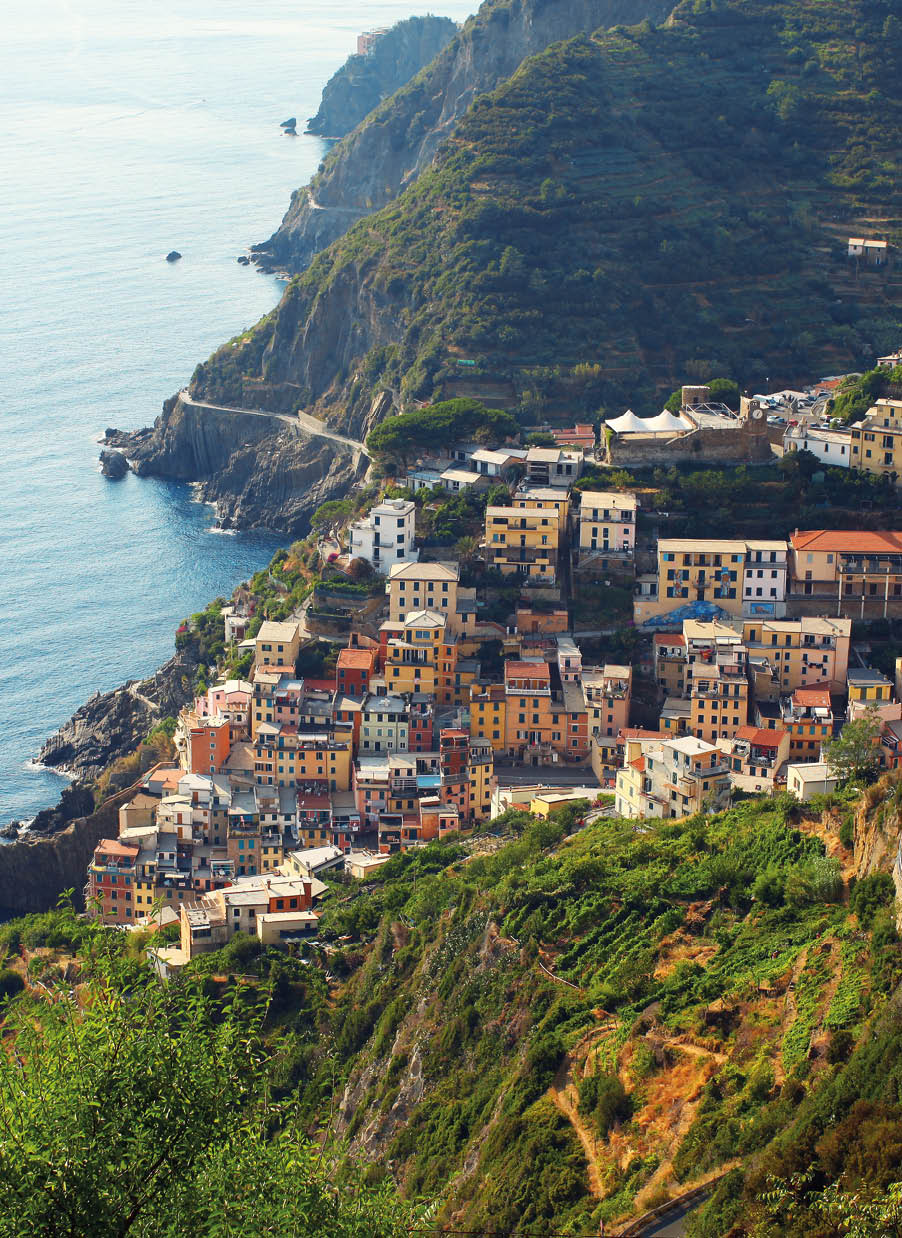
x=300, y=421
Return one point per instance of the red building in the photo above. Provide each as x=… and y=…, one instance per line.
x=111, y=878
x=355, y=670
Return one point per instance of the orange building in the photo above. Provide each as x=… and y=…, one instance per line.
x=209, y=745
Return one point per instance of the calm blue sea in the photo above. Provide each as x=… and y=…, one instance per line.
x=129, y=129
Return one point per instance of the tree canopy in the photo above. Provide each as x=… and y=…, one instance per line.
x=134, y=1107
x=440, y=425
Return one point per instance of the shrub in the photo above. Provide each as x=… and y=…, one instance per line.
x=872, y=893
x=11, y=983
x=603, y=1098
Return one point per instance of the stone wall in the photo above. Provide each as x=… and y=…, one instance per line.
x=749, y=443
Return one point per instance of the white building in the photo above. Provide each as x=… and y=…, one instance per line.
x=813, y=778
x=386, y=536
x=831, y=447
x=764, y=579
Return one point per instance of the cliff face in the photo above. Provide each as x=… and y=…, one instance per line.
x=258, y=470
x=365, y=80
x=35, y=872
x=112, y=724
x=386, y=153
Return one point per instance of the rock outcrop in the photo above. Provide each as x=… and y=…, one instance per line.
x=258, y=470
x=364, y=81
x=112, y=724
x=113, y=464
x=371, y=166
x=35, y=871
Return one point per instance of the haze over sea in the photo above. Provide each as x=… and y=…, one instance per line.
x=130, y=129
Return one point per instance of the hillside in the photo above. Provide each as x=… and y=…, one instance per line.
x=387, y=152
x=363, y=81
x=538, y=1034
x=629, y=210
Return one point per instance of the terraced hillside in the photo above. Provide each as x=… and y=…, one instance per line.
x=628, y=211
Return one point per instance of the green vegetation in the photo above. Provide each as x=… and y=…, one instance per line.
x=708, y=969
x=857, y=394
x=854, y=753
x=440, y=426
x=588, y=244
x=148, y=1109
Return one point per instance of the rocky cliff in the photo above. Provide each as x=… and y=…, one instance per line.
x=34, y=872
x=364, y=81
x=258, y=470
x=371, y=166
x=112, y=724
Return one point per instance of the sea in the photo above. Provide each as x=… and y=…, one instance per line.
x=130, y=129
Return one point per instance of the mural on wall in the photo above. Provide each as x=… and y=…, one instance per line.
x=703, y=612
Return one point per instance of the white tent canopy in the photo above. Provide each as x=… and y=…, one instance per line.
x=629, y=423
x=665, y=422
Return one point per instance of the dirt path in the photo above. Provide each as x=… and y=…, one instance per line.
x=564, y=1095
x=790, y=1010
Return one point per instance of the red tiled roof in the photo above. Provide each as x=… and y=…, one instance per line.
x=763, y=738
x=636, y=732
x=360, y=659
x=812, y=697
x=848, y=541
x=638, y=764
x=527, y=670
x=664, y=638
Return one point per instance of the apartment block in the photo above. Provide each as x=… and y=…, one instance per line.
x=876, y=440
x=607, y=691
x=670, y=778
x=423, y=586
x=847, y=571
x=386, y=536
x=523, y=542
x=720, y=575
x=276, y=646
x=606, y=521
x=801, y=652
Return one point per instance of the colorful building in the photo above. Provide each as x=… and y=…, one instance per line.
x=522, y=541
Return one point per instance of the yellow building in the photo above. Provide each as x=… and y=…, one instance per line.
x=718, y=696
x=285, y=757
x=423, y=586
x=607, y=522
x=522, y=541
x=801, y=652
x=488, y=714
x=546, y=498
x=422, y=656
x=482, y=779
x=876, y=445
x=277, y=646
x=695, y=570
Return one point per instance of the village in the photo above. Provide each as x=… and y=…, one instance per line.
x=438, y=719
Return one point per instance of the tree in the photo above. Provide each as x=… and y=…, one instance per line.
x=360, y=570
x=143, y=1108
x=854, y=754
x=331, y=514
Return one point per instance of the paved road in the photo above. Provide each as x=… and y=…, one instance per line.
x=302, y=421
x=547, y=775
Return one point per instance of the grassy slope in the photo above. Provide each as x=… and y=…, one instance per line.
x=646, y=201
x=524, y=1033
x=456, y=1058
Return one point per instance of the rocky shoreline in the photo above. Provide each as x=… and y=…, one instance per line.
x=256, y=469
